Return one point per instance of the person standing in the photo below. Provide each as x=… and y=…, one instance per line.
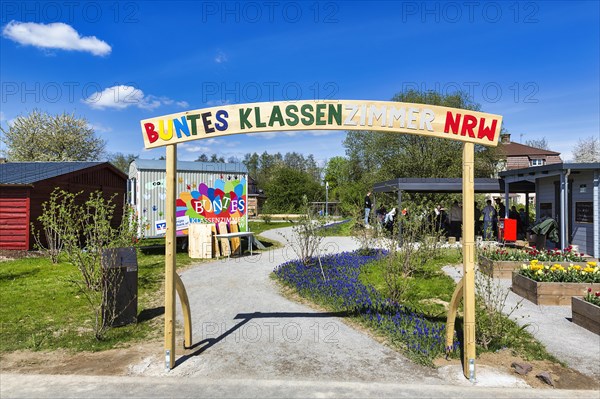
x=477, y=219
x=367, y=208
x=489, y=217
x=501, y=208
x=456, y=220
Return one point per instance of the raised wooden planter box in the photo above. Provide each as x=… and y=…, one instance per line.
x=544, y=293
x=499, y=268
x=586, y=314
x=505, y=268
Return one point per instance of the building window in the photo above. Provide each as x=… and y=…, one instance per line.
x=537, y=162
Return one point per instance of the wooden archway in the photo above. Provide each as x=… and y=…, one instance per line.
x=470, y=127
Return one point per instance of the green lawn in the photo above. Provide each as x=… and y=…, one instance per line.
x=42, y=308
x=427, y=284
x=259, y=227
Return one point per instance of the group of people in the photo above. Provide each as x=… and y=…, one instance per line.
x=384, y=218
x=450, y=224
x=486, y=219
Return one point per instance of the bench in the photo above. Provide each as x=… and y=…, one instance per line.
x=204, y=240
x=239, y=234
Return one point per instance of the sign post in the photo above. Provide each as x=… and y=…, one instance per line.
x=468, y=246
x=170, y=256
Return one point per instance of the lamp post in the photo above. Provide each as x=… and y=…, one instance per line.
x=326, y=197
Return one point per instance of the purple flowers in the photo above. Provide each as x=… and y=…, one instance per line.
x=343, y=291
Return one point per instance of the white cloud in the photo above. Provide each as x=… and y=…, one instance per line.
x=322, y=132
x=221, y=57
x=54, y=36
x=214, y=103
x=121, y=97
x=99, y=127
x=195, y=148
x=272, y=135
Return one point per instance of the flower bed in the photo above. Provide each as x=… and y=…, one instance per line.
x=343, y=291
x=586, y=314
x=556, y=284
x=501, y=262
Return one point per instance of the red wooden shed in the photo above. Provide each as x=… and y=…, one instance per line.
x=24, y=186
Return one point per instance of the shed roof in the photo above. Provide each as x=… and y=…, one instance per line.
x=548, y=170
x=32, y=172
x=153, y=164
x=437, y=185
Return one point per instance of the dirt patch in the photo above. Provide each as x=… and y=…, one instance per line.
x=6, y=254
x=563, y=377
x=110, y=362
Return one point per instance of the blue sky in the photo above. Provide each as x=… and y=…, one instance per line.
x=116, y=63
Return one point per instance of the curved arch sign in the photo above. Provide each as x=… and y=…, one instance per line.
x=385, y=116
x=471, y=127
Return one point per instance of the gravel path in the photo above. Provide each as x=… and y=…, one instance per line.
x=249, y=330
x=551, y=325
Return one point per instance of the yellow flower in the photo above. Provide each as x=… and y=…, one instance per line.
x=589, y=269
x=537, y=266
x=533, y=262
x=576, y=267
x=591, y=264
x=558, y=267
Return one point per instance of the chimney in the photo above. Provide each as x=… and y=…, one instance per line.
x=505, y=138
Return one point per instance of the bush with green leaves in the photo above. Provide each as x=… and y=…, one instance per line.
x=85, y=231
x=53, y=212
x=411, y=244
x=492, y=327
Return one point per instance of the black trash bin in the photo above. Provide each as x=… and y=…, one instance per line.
x=120, y=269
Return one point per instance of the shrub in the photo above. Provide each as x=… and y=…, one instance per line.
x=85, y=231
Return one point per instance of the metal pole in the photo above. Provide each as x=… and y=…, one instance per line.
x=326, y=198
x=563, y=219
x=170, y=260
x=596, y=213
x=468, y=183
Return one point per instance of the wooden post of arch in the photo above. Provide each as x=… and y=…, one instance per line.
x=468, y=183
x=173, y=282
x=170, y=256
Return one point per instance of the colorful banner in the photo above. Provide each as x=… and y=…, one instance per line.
x=224, y=202
x=385, y=116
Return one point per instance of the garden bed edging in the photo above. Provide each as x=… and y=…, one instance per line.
x=549, y=293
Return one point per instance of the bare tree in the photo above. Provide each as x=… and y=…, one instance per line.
x=538, y=143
